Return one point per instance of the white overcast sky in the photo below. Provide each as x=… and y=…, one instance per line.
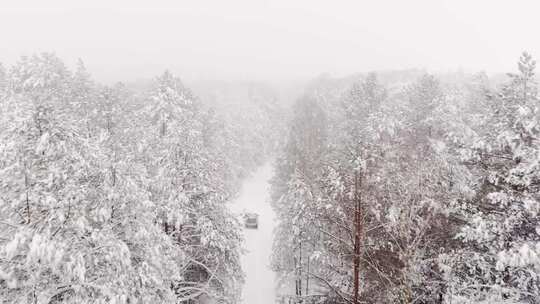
x=282, y=39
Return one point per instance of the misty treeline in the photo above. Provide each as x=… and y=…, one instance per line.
x=117, y=195
x=398, y=190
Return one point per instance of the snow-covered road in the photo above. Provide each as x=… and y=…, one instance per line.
x=260, y=280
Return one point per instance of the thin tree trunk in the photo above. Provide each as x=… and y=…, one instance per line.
x=357, y=234
x=307, y=278
x=27, y=198
x=295, y=276
x=300, y=271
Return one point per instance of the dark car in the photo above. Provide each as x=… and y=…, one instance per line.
x=251, y=220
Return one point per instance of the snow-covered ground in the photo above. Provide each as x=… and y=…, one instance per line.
x=254, y=197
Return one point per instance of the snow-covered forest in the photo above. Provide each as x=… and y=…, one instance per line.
x=423, y=189
x=112, y=196
x=390, y=187
x=269, y=152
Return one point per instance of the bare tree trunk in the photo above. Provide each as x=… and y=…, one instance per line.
x=27, y=198
x=295, y=276
x=307, y=278
x=357, y=234
x=300, y=271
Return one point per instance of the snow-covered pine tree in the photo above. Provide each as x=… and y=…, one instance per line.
x=71, y=231
x=499, y=258
x=82, y=92
x=296, y=194
x=190, y=194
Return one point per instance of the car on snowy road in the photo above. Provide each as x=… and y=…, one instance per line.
x=251, y=220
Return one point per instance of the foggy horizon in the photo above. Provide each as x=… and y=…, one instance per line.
x=270, y=40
